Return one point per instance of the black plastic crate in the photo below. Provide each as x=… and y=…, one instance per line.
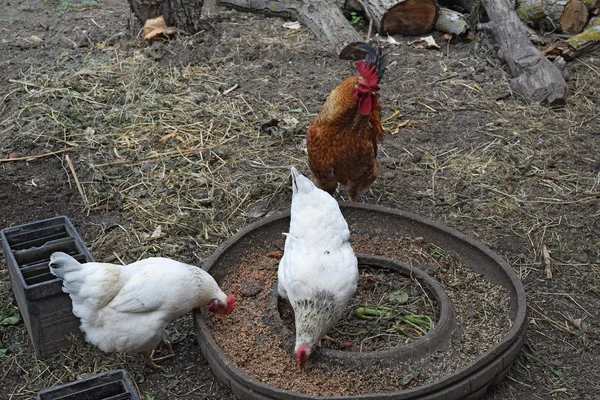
x=46, y=310
x=110, y=385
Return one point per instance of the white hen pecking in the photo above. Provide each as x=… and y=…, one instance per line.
x=126, y=308
x=318, y=271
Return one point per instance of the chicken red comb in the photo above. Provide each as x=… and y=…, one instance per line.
x=230, y=304
x=368, y=72
x=374, y=64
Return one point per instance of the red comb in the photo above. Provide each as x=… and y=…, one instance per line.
x=230, y=304
x=368, y=72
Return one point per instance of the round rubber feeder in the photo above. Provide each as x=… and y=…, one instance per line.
x=434, y=341
x=470, y=383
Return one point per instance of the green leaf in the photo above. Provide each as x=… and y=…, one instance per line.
x=10, y=319
x=558, y=373
x=398, y=297
x=408, y=378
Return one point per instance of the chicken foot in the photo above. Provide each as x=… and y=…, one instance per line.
x=151, y=361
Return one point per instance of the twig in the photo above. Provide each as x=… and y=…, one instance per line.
x=79, y=187
x=547, y=262
x=156, y=155
x=29, y=158
x=231, y=89
x=7, y=129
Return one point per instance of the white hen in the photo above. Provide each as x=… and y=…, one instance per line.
x=318, y=271
x=126, y=308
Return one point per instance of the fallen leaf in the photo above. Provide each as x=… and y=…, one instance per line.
x=157, y=232
x=155, y=28
x=292, y=25
x=277, y=254
x=398, y=297
x=427, y=42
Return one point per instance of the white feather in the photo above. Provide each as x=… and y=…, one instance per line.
x=126, y=308
x=317, y=258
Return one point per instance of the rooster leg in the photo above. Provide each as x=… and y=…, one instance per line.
x=352, y=191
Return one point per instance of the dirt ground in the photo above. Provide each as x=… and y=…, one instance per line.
x=196, y=136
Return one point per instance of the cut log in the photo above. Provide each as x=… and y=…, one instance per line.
x=574, y=17
x=405, y=17
x=532, y=11
x=554, y=9
x=183, y=14
x=324, y=18
x=451, y=21
x=593, y=6
x=534, y=76
x=577, y=45
x=465, y=5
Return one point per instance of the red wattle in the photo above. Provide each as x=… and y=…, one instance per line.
x=365, y=105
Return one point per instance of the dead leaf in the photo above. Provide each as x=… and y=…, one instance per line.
x=427, y=42
x=276, y=254
x=292, y=25
x=155, y=28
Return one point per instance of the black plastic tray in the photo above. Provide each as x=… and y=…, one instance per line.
x=46, y=310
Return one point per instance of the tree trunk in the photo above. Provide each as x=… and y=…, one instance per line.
x=535, y=77
x=574, y=17
x=183, y=14
x=323, y=17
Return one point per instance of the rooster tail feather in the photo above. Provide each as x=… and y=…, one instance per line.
x=300, y=183
x=374, y=58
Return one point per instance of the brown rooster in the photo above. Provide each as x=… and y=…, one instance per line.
x=342, y=141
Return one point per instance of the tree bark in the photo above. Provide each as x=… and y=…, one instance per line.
x=183, y=14
x=324, y=18
x=534, y=76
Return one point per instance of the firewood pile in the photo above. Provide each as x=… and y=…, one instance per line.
x=511, y=22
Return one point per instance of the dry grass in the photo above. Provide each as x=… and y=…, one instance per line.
x=173, y=147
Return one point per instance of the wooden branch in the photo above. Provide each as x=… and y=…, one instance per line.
x=324, y=18
x=547, y=262
x=534, y=76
